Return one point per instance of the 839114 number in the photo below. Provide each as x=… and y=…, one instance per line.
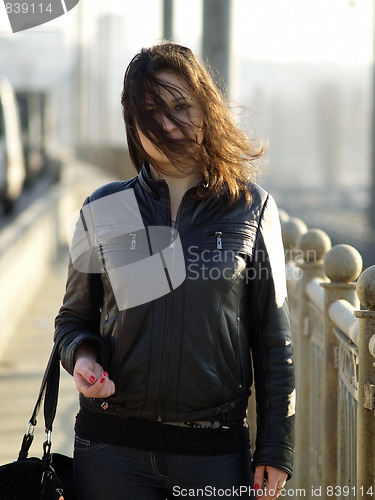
x=28, y=8
x=345, y=491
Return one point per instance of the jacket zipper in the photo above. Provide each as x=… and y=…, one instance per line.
x=163, y=370
x=164, y=362
x=219, y=243
x=105, y=301
x=238, y=351
x=220, y=234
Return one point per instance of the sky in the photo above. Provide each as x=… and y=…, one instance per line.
x=289, y=100
x=283, y=30
x=313, y=30
x=277, y=30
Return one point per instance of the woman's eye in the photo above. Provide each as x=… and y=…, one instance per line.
x=182, y=107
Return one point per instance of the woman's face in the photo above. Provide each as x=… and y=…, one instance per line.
x=183, y=106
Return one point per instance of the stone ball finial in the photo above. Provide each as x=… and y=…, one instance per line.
x=283, y=215
x=366, y=288
x=314, y=245
x=291, y=230
x=342, y=264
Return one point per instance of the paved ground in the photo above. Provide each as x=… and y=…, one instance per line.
x=22, y=365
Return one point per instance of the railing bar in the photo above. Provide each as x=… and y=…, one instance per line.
x=346, y=340
x=341, y=314
x=371, y=346
x=350, y=389
x=316, y=318
x=315, y=292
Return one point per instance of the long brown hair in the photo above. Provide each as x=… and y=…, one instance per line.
x=227, y=157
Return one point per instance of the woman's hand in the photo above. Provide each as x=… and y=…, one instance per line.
x=276, y=479
x=89, y=376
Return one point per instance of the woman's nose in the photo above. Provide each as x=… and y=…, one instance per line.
x=168, y=124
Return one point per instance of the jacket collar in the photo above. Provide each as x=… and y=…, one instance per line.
x=156, y=188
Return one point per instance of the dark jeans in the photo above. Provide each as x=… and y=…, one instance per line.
x=119, y=473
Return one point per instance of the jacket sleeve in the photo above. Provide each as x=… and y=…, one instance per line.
x=271, y=345
x=79, y=317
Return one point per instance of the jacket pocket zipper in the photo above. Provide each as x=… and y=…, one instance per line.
x=219, y=235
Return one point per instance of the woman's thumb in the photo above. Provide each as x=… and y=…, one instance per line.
x=259, y=477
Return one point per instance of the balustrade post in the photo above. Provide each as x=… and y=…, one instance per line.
x=366, y=396
x=342, y=265
x=292, y=229
x=311, y=248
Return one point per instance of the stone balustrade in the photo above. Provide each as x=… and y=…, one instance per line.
x=332, y=305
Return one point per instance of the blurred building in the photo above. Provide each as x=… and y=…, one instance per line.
x=40, y=60
x=316, y=117
x=108, y=57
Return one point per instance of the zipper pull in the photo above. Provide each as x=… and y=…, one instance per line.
x=171, y=243
x=219, y=244
x=134, y=241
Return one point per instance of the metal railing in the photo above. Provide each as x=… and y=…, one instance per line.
x=332, y=307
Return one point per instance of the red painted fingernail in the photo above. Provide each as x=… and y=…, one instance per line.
x=256, y=486
x=102, y=380
x=92, y=379
x=105, y=374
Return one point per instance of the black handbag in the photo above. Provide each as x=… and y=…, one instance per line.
x=50, y=477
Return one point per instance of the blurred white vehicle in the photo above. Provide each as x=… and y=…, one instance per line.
x=12, y=164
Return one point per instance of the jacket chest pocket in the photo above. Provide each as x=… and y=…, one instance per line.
x=118, y=249
x=142, y=264
x=123, y=245
x=223, y=249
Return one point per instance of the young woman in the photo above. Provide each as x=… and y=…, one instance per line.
x=175, y=301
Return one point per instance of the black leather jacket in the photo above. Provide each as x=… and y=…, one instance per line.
x=191, y=353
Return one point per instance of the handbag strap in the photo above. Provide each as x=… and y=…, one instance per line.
x=49, y=391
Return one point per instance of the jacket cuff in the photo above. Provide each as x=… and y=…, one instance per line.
x=275, y=456
x=67, y=352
